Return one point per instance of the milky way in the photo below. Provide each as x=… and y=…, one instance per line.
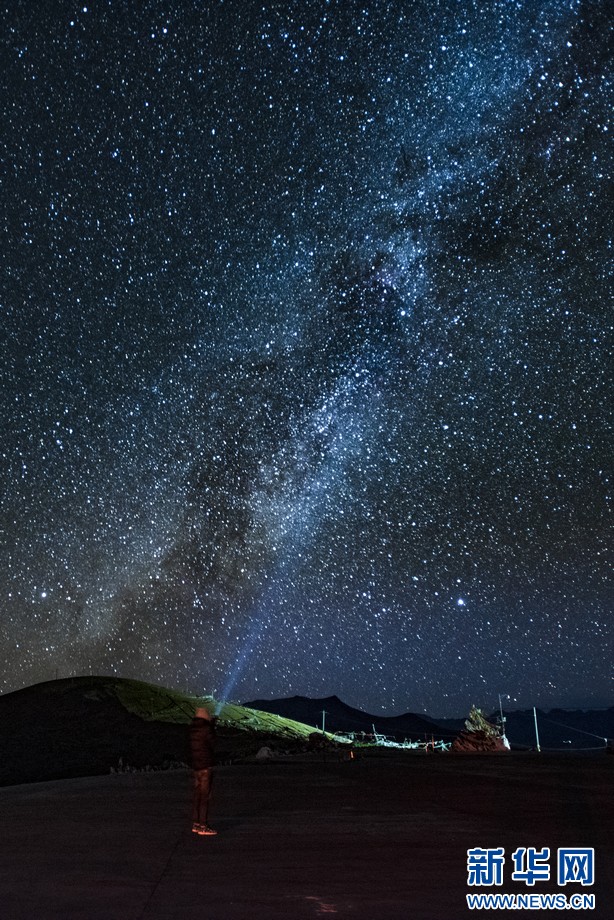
x=307, y=336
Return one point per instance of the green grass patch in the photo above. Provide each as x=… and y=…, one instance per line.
x=159, y=704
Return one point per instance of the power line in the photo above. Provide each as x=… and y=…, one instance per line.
x=572, y=729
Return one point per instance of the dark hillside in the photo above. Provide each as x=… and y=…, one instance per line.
x=83, y=726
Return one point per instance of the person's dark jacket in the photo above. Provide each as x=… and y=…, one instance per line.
x=202, y=743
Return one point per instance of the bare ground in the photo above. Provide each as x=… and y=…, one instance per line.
x=377, y=838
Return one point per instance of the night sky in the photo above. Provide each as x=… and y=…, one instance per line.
x=306, y=376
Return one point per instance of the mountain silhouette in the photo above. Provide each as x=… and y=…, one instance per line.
x=339, y=717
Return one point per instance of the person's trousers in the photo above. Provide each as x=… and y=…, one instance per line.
x=202, y=780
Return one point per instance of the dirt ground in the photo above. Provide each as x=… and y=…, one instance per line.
x=379, y=839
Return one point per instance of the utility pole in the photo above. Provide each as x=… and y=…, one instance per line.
x=501, y=716
x=503, y=719
x=536, y=731
x=323, y=719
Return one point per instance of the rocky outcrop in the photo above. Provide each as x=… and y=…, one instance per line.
x=479, y=736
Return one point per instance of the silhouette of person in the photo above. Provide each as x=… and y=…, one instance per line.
x=202, y=744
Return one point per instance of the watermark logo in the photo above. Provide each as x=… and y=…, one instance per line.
x=531, y=865
x=575, y=865
x=486, y=868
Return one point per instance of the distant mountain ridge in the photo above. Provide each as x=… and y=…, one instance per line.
x=559, y=729
x=343, y=718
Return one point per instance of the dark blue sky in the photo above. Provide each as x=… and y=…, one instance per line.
x=307, y=339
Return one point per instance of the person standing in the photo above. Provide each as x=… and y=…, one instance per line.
x=202, y=743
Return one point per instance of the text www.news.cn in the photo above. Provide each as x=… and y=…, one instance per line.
x=530, y=901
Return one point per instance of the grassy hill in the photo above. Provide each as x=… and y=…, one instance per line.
x=82, y=726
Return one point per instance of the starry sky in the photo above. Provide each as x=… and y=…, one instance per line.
x=306, y=377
